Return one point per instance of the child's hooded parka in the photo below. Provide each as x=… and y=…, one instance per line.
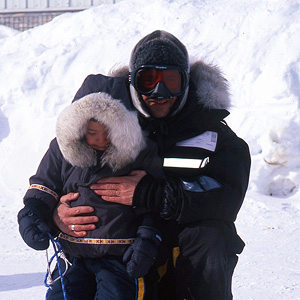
x=71, y=165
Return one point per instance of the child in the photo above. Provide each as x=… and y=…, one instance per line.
x=98, y=137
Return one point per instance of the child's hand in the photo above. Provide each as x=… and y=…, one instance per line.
x=33, y=230
x=141, y=254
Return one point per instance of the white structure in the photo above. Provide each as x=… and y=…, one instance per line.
x=25, y=14
x=7, y=6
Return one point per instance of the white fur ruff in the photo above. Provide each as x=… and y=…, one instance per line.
x=212, y=87
x=125, y=134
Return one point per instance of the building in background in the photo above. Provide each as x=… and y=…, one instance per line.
x=25, y=14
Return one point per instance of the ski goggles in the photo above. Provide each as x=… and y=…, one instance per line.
x=145, y=78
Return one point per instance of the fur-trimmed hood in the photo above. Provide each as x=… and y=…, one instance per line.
x=125, y=134
x=211, y=87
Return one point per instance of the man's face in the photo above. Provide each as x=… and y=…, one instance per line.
x=159, y=108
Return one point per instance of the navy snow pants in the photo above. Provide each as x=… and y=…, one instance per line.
x=99, y=279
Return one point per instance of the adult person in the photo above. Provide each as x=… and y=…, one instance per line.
x=182, y=105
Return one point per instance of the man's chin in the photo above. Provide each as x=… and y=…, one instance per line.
x=159, y=110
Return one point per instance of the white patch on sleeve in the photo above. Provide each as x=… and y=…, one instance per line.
x=206, y=140
x=182, y=163
x=190, y=163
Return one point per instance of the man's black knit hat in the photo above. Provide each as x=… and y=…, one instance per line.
x=159, y=48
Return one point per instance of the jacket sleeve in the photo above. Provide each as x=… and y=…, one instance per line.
x=46, y=185
x=217, y=192
x=149, y=161
x=114, y=86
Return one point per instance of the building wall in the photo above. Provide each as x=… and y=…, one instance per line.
x=20, y=5
x=26, y=14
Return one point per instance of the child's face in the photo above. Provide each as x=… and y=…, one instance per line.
x=97, y=136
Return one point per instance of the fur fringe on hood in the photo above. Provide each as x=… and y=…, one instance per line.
x=125, y=134
x=211, y=87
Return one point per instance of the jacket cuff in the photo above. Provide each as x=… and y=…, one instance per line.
x=152, y=220
x=149, y=194
x=43, y=211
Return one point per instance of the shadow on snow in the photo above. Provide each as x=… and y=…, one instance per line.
x=21, y=281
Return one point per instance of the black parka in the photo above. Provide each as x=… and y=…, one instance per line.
x=214, y=190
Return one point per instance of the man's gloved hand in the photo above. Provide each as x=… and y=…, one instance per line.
x=141, y=254
x=33, y=229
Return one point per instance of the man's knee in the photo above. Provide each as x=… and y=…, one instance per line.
x=205, y=240
x=205, y=265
